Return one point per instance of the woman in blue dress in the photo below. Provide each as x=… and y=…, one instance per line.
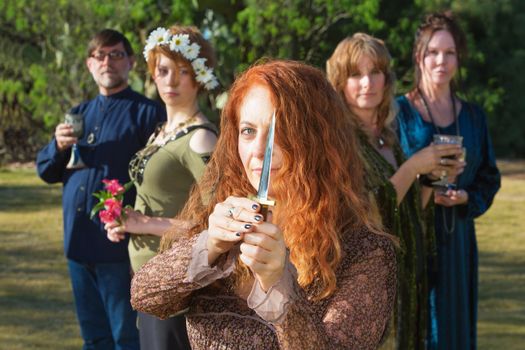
x=432, y=107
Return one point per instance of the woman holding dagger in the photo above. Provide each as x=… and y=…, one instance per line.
x=314, y=272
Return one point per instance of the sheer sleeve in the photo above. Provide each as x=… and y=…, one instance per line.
x=354, y=317
x=487, y=181
x=163, y=286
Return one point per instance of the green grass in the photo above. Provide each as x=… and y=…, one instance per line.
x=501, y=242
x=36, y=307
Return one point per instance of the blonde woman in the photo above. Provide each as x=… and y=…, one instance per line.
x=360, y=71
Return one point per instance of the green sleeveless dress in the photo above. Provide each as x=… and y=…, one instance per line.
x=163, y=177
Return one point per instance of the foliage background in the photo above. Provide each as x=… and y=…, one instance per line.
x=42, y=51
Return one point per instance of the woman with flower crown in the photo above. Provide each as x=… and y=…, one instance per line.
x=315, y=272
x=181, y=63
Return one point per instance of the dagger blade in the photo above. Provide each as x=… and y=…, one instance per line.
x=264, y=183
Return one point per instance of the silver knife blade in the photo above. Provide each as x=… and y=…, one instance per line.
x=264, y=183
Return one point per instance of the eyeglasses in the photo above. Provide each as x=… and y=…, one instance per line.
x=113, y=55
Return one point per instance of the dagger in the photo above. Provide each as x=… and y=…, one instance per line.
x=264, y=183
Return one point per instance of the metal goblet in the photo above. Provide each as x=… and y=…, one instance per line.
x=76, y=120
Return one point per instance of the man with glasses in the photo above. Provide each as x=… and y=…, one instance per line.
x=117, y=123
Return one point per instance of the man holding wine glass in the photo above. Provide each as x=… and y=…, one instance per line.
x=115, y=125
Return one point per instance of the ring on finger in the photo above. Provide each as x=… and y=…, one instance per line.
x=443, y=161
x=230, y=212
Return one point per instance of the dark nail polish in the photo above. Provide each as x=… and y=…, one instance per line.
x=238, y=234
x=258, y=217
x=255, y=207
x=247, y=226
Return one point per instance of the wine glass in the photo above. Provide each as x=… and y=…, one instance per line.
x=443, y=184
x=76, y=120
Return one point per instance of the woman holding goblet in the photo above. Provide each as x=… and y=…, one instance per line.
x=181, y=63
x=432, y=107
x=315, y=273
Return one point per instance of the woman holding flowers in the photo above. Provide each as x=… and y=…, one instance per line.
x=314, y=273
x=360, y=71
x=181, y=63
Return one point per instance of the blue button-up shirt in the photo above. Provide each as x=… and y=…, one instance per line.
x=117, y=126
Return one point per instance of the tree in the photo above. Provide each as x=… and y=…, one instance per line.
x=42, y=50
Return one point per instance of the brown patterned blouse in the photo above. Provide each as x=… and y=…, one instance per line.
x=354, y=317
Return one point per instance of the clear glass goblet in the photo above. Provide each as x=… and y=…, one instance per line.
x=443, y=184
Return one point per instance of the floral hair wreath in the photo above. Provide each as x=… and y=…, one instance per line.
x=181, y=43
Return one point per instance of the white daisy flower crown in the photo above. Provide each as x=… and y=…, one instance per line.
x=181, y=43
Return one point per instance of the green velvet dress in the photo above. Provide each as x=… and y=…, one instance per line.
x=414, y=229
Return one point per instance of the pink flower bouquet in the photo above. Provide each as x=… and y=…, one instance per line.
x=109, y=207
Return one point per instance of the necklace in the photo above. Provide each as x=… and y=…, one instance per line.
x=427, y=109
x=452, y=227
x=380, y=141
x=180, y=126
x=137, y=164
x=375, y=135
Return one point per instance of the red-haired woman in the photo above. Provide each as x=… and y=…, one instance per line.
x=315, y=273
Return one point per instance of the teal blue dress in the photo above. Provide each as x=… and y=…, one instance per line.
x=454, y=295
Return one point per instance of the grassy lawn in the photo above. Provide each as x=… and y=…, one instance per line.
x=36, y=307
x=35, y=294
x=501, y=243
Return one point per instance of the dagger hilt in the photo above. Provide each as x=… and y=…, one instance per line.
x=265, y=205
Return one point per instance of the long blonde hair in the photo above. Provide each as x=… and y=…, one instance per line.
x=344, y=62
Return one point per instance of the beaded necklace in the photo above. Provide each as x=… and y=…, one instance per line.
x=137, y=164
x=167, y=136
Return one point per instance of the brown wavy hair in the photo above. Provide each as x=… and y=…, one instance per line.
x=432, y=23
x=195, y=36
x=344, y=63
x=320, y=184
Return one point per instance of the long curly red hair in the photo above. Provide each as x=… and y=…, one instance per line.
x=320, y=184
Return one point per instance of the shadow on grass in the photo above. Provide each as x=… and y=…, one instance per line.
x=35, y=293
x=505, y=261
x=502, y=275
x=501, y=311
x=26, y=253
x=29, y=198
